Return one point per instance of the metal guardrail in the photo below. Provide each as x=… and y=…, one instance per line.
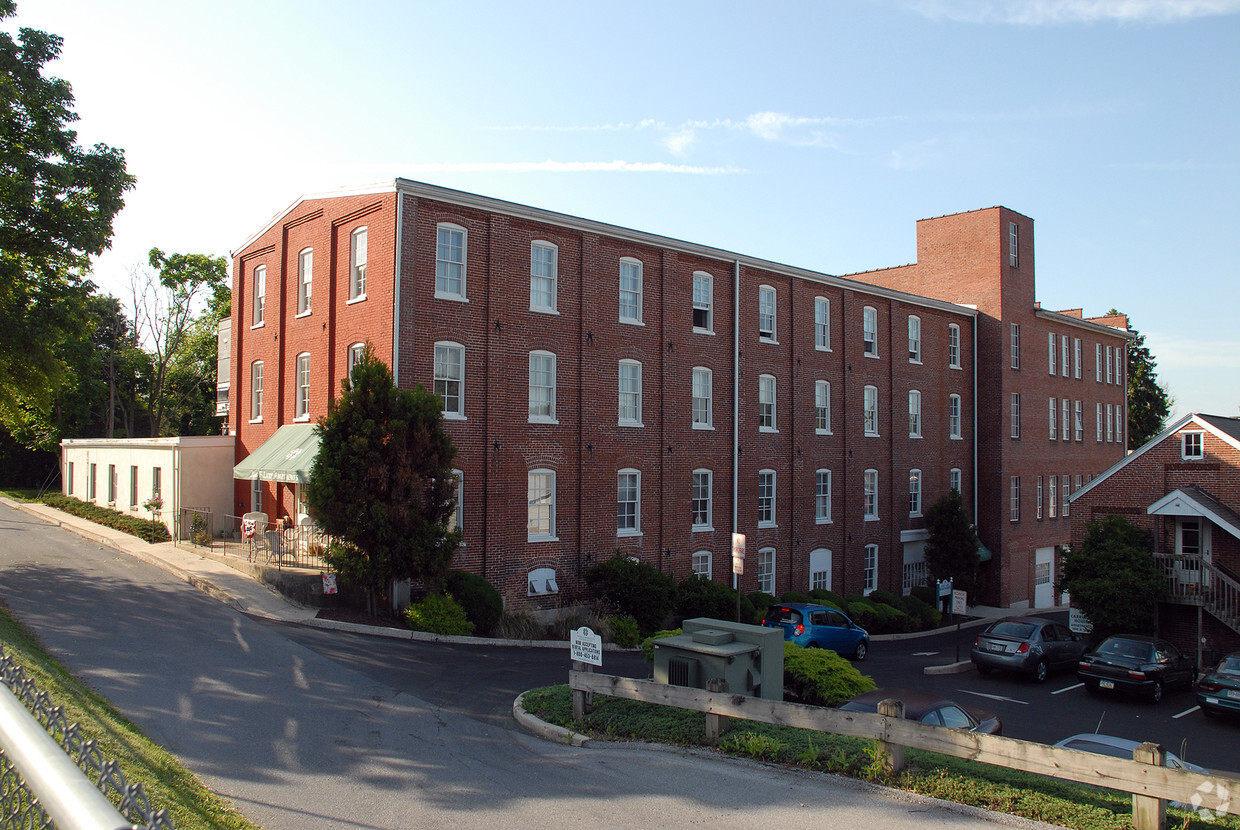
x=288, y=547
x=51, y=775
x=1194, y=580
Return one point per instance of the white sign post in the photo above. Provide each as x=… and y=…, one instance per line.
x=1078, y=622
x=960, y=600
x=586, y=647
x=738, y=553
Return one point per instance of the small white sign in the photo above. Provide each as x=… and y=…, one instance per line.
x=960, y=602
x=586, y=647
x=945, y=588
x=1078, y=622
x=738, y=553
x=329, y=583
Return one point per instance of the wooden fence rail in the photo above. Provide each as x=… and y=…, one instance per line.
x=1151, y=786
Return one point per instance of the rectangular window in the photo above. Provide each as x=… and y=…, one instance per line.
x=869, y=331
x=914, y=340
x=1078, y=421
x=540, y=525
x=1119, y=424
x=1015, y=345
x=820, y=570
x=133, y=487
x=766, y=313
x=953, y=417
x=914, y=414
x=450, y=252
x=1120, y=355
x=1052, y=492
x=1013, y=249
x=157, y=487
x=303, y=386
x=111, y=484
x=450, y=378
x=1014, y=499
x=630, y=291
x=356, y=352
x=955, y=479
x=1015, y=414
x=914, y=492
x=1110, y=372
x=544, y=273
x=766, y=571
x=822, y=407
x=1110, y=424
x=256, y=391
x=90, y=483
x=357, y=264
x=1050, y=345
x=766, y=498
x=953, y=346
x=871, y=569
x=701, y=564
x=822, y=324
x=458, y=505
x=628, y=503
x=542, y=387
x=630, y=393
x=822, y=497
x=305, y=280
x=871, y=495
x=1054, y=426
x=766, y=403
x=260, y=294
x=703, y=300
x=1098, y=362
x=700, y=499
x=1065, y=423
x=870, y=403
x=1098, y=422
x=1065, y=482
x=702, y=398
x=1076, y=358
x=69, y=481
x=1192, y=447
x=1039, y=509
x=1064, y=366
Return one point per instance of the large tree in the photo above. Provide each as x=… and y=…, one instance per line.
x=951, y=547
x=382, y=481
x=57, y=203
x=1148, y=401
x=1113, y=578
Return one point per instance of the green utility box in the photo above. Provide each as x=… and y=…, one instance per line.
x=749, y=657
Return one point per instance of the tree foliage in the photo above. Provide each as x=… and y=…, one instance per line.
x=635, y=588
x=1148, y=401
x=57, y=204
x=951, y=548
x=1113, y=578
x=382, y=481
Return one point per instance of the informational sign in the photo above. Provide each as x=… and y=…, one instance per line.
x=738, y=553
x=960, y=602
x=945, y=588
x=329, y=583
x=586, y=647
x=1078, y=622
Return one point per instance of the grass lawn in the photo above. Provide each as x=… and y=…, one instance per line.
x=1037, y=797
x=167, y=783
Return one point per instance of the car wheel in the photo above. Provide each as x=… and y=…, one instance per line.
x=862, y=648
x=1208, y=712
x=1091, y=686
x=1040, y=672
x=1156, y=691
x=811, y=645
x=983, y=670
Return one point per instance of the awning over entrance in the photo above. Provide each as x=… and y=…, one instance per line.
x=1193, y=501
x=286, y=456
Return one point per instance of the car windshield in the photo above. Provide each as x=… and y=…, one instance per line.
x=782, y=616
x=1125, y=648
x=1021, y=631
x=1230, y=666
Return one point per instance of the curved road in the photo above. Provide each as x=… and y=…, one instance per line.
x=326, y=736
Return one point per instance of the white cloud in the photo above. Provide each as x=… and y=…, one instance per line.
x=618, y=166
x=1063, y=12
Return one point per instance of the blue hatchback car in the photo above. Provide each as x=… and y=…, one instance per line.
x=819, y=626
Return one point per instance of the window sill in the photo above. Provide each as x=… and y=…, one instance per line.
x=551, y=421
x=823, y=521
x=542, y=538
x=771, y=340
x=452, y=298
x=454, y=416
x=702, y=529
x=544, y=310
x=955, y=366
x=871, y=518
x=257, y=326
x=361, y=298
x=256, y=420
x=768, y=429
x=823, y=432
x=765, y=525
x=301, y=314
x=822, y=348
x=704, y=427
x=301, y=419
x=915, y=435
x=872, y=435
x=697, y=330
x=629, y=534
x=915, y=361
x=955, y=437
x=873, y=355
x=636, y=424
x=627, y=322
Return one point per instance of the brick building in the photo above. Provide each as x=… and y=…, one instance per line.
x=596, y=380
x=1183, y=487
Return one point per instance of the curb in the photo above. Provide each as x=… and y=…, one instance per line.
x=542, y=729
x=951, y=668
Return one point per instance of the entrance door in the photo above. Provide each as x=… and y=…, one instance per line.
x=1043, y=578
x=1192, y=539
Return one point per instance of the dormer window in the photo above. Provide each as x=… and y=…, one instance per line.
x=1191, y=446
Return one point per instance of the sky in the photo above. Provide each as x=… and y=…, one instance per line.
x=809, y=133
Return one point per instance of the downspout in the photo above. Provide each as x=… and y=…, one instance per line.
x=400, y=211
x=736, y=398
x=975, y=487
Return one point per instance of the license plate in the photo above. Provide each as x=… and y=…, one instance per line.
x=1234, y=694
x=1106, y=684
x=997, y=647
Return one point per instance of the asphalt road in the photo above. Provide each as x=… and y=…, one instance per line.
x=302, y=732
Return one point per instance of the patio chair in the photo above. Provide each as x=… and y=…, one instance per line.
x=253, y=526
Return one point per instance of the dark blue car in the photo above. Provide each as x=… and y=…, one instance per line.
x=819, y=626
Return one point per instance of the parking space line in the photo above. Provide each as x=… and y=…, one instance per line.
x=995, y=697
x=1185, y=712
x=1067, y=688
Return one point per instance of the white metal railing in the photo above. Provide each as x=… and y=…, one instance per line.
x=1195, y=580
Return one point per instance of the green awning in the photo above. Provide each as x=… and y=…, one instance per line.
x=983, y=552
x=286, y=456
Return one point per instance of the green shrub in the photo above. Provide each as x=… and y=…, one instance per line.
x=863, y=614
x=635, y=589
x=623, y=631
x=820, y=677
x=146, y=529
x=520, y=625
x=761, y=601
x=890, y=620
x=648, y=643
x=886, y=598
x=482, y=603
x=924, y=615
x=794, y=596
x=822, y=595
x=926, y=594
x=438, y=614
x=697, y=596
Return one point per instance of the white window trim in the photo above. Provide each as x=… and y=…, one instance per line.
x=710, y=307
x=710, y=501
x=768, y=381
x=297, y=379
x=773, y=520
x=773, y=337
x=707, y=571
x=914, y=415
x=354, y=348
x=1014, y=499
x=458, y=414
x=955, y=479
x=953, y=352
x=641, y=290
x=455, y=521
x=869, y=426
x=709, y=423
x=1015, y=432
x=767, y=574
x=553, y=418
x=1078, y=421
x=824, y=387
x=462, y=296
x=637, y=530
x=1015, y=345
x=1051, y=346
x=555, y=277
x=870, y=571
x=1201, y=445
x=870, y=516
x=1076, y=358
x=1097, y=363
x=822, y=344
x=1013, y=245
x=820, y=556
x=305, y=282
x=869, y=334
x=955, y=418
x=629, y=422
x=914, y=339
x=827, y=519
x=1065, y=368
x=914, y=510
x=258, y=298
x=551, y=535
x=356, y=295
x=256, y=392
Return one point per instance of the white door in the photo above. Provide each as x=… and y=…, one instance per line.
x=1043, y=578
x=915, y=572
x=1192, y=538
